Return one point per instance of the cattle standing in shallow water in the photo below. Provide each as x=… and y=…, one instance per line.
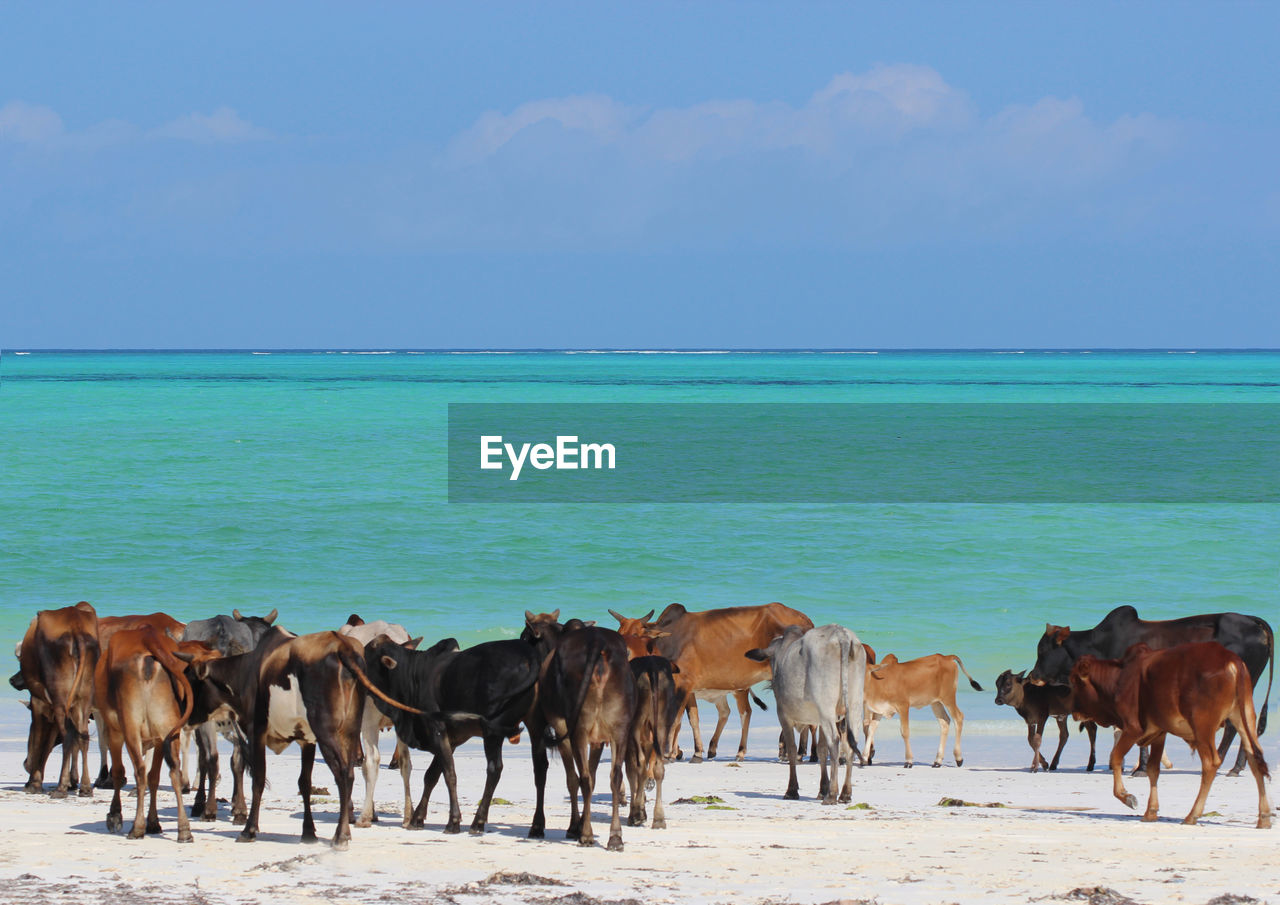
x=1188, y=690
x=818, y=676
x=56, y=660
x=894, y=687
x=485, y=690
x=1035, y=704
x=586, y=697
x=1248, y=637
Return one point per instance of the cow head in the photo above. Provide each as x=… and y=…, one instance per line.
x=258, y=626
x=1053, y=659
x=197, y=655
x=1009, y=687
x=632, y=627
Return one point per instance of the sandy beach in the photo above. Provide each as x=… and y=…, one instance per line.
x=1052, y=837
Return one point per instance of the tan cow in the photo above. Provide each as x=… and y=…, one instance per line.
x=143, y=699
x=894, y=688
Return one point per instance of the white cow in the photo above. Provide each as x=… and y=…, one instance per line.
x=818, y=677
x=375, y=722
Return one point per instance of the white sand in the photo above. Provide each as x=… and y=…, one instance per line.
x=1058, y=832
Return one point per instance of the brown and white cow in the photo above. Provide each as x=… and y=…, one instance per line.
x=710, y=649
x=56, y=661
x=143, y=699
x=1189, y=690
x=311, y=690
x=895, y=687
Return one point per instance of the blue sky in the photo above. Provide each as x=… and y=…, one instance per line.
x=639, y=175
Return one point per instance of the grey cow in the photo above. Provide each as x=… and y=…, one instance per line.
x=818, y=677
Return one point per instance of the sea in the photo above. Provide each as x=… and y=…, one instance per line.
x=315, y=483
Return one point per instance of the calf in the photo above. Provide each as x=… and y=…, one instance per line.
x=143, y=700
x=818, y=676
x=486, y=690
x=375, y=722
x=230, y=636
x=310, y=691
x=1035, y=704
x=894, y=687
x=586, y=699
x=657, y=707
x=56, y=661
x=1189, y=690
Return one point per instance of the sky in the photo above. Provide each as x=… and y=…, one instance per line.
x=639, y=175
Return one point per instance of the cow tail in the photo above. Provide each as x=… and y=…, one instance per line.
x=592, y=664
x=1271, y=671
x=177, y=672
x=79, y=650
x=1248, y=728
x=976, y=686
x=759, y=703
x=356, y=668
x=659, y=725
x=852, y=686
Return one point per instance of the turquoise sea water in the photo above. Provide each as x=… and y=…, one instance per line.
x=316, y=483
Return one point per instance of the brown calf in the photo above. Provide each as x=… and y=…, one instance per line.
x=657, y=707
x=1189, y=690
x=1036, y=704
x=56, y=663
x=894, y=688
x=143, y=699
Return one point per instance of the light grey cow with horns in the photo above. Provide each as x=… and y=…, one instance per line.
x=818, y=677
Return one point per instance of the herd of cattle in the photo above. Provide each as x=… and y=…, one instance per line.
x=150, y=681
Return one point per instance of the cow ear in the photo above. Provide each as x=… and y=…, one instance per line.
x=201, y=670
x=757, y=654
x=389, y=662
x=354, y=619
x=412, y=643
x=271, y=617
x=236, y=615
x=555, y=615
x=1021, y=676
x=589, y=623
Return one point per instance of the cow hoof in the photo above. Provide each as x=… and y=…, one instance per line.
x=239, y=819
x=186, y=837
x=136, y=833
x=363, y=823
x=247, y=835
x=741, y=758
x=792, y=795
x=660, y=823
x=209, y=817
x=634, y=820
x=452, y=829
x=309, y=839
x=586, y=841
x=1149, y=818
x=615, y=844
x=1130, y=801
x=154, y=828
x=907, y=765
x=1234, y=771
x=476, y=829
x=86, y=792
x=696, y=759
x=828, y=800
x=537, y=832
x=1264, y=822
x=959, y=762
x=58, y=793
x=102, y=782
x=341, y=845
x=938, y=763
x=114, y=822
x=33, y=788
x=1089, y=769
x=845, y=797
x=1189, y=821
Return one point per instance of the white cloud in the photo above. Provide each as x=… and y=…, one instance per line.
x=222, y=125
x=29, y=123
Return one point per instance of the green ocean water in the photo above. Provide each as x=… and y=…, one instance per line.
x=315, y=482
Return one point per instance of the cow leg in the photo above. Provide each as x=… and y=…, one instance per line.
x=583, y=756
x=1258, y=768
x=537, y=828
x=829, y=761
x=184, y=746
x=115, y=820
x=658, y=770
x=175, y=780
x=571, y=779
x=404, y=763
x=1122, y=745
x=618, y=747
x=722, y=719
x=104, y=772
x=944, y=725
x=86, y=787
x=492, y=773
x=451, y=784
x=789, y=739
x=1209, y=763
x=1092, y=730
x=429, y=780
x=1153, y=774
x=239, y=812
x=904, y=726
x=153, y=788
x=40, y=741
x=206, y=801
x=1063, y=735
x=341, y=764
x=372, y=756
x=70, y=748
x=137, y=755
x=847, y=745
x=636, y=769
x=1228, y=736
x=1035, y=731
x=691, y=710
x=744, y=714
x=258, y=770
x=869, y=735
x=304, y=789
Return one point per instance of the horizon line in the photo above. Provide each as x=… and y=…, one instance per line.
x=653, y=350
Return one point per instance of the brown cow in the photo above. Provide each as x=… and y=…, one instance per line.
x=309, y=690
x=1036, y=704
x=710, y=649
x=143, y=699
x=894, y=687
x=56, y=663
x=1189, y=690
x=657, y=707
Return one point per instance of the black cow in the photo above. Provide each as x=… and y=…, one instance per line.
x=657, y=709
x=486, y=690
x=230, y=636
x=1036, y=704
x=1249, y=637
x=586, y=698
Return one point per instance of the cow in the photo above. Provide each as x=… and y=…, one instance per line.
x=657, y=707
x=1188, y=690
x=1249, y=637
x=107, y=627
x=586, y=699
x=310, y=690
x=143, y=699
x=375, y=722
x=485, y=690
x=894, y=687
x=818, y=676
x=56, y=660
x=230, y=636
x=1036, y=704
x=708, y=646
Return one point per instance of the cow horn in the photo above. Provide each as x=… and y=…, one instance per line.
x=412, y=643
x=616, y=615
x=236, y=615
x=529, y=617
x=555, y=615
x=647, y=616
x=271, y=617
